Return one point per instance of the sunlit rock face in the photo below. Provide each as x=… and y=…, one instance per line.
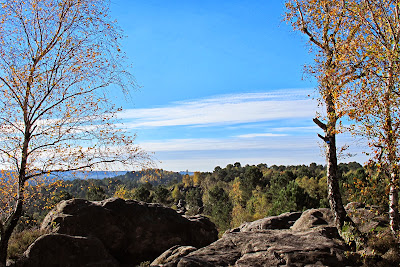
x=306, y=238
x=131, y=231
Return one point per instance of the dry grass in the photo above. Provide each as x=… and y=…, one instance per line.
x=20, y=241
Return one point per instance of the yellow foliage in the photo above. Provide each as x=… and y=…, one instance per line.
x=316, y=188
x=196, y=179
x=258, y=205
x=236, y=193
x=122, y=192
x=239, y=216
x=176, y=193
x=187, y=180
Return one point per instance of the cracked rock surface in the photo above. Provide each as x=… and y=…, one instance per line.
x=130, y=231
x=272, y=242
x=269, y=248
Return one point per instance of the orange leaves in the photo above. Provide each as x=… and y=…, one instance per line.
x=373, y=101
x=56, y=56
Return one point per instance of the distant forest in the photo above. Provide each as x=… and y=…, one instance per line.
x=229, y=196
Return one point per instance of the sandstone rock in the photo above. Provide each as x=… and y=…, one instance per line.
x=131, y=231
x=173, y=254
x=128, y=232
x=269, y=248
x=66, y=251
x=314, y=218
x=354, y=206
x=283, y=221
x=367, y=218
x=290, y=239
x=392, y=255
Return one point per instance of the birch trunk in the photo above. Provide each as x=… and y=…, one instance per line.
x=334, y=196
x=391, y=145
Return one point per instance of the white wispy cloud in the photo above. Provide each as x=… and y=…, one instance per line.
x=223, y=110
x=206, y=153
x=254, y=135
x=272, y=128
x=213, y=144
x=296, y=129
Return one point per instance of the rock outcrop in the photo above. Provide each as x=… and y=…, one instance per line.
x=367, y=217
x=314, y=218
x=130, y=231
x=271, y=242
x=118, y=232
x=65, y=250
x=173, y=254
x=283, y=221
x=306, y=238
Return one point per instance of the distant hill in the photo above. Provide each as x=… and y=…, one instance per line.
x=90, y=175
x=80, y=174
x=153, y=176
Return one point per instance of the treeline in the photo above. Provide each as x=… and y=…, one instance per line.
x=229, y=196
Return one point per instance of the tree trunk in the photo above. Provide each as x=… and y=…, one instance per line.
x=393, y=205
x=8, y=229
x=394, y=181
x=392, y=157
x=334, y=196
x=12, y=221
x=345, y=225
x=3, y=251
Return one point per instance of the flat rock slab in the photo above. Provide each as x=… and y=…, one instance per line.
x=306, y=238
x=270, y=248
x=283, y=221
x=290, y=239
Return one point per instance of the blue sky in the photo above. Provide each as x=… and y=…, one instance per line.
x=220, y=82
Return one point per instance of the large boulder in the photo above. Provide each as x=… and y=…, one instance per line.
x=314, y=218
x=283, y=221
x=367, y=218
x=66, y=251
x=307, y=238
x=290, y=239
x=131, y=231
x=268, y=248
x=173, y=254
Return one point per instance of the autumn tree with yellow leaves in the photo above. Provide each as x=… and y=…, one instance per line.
x=331, y=33
x=58, y=58
x=357, y=66
x=374, y=101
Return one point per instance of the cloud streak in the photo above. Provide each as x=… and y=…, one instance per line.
x=254, y=135
x=223, y=110
x=213, y=144
x=206, y=153
x=252, y=128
